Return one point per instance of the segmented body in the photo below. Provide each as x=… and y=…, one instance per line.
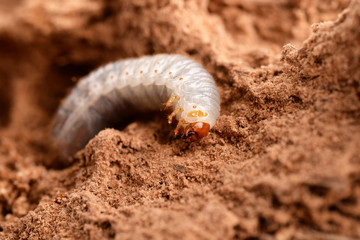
x=116, y=91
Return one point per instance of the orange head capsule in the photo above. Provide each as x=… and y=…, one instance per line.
x=195, y=131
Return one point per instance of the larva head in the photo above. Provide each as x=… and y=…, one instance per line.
x=195, y=131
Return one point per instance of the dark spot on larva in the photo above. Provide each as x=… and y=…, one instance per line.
x=141, y=72
x=180, y=79
x=155, y=71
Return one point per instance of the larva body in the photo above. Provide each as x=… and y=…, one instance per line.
x=116, y=91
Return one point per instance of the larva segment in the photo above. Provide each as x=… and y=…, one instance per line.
x=129, y=88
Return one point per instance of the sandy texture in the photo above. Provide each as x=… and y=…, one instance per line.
x=282, y=162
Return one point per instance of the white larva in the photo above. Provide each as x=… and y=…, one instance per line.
x=116, y=91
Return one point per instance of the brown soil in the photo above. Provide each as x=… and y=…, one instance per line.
x=282, y=162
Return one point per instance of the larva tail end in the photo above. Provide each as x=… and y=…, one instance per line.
x=195, y=131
